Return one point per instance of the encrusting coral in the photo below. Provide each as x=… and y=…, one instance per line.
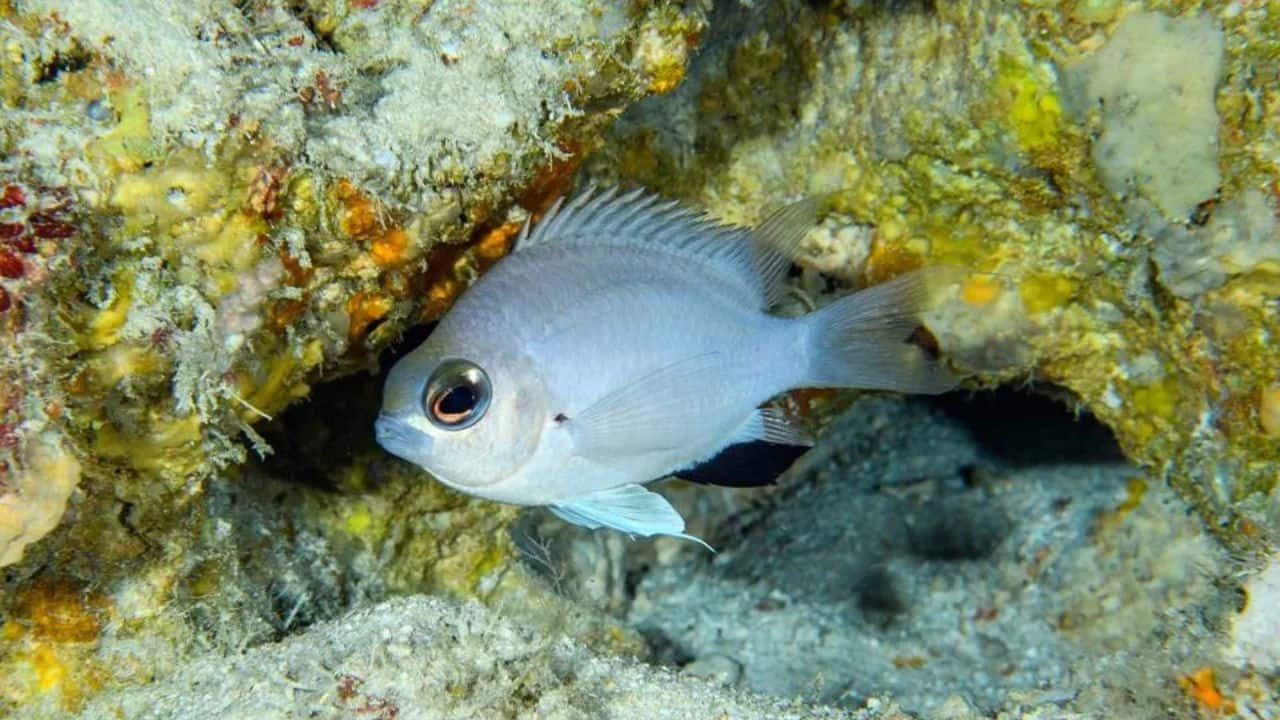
x=35, y=494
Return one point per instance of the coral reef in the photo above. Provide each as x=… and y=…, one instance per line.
x=205, y=209
x=262, y=194
x=217, y=215
x=1113, y=164
x=1159, y=121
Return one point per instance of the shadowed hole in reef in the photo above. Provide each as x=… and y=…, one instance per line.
x=335, y=423
x=1033, y=426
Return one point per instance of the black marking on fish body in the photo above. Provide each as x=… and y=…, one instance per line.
x=750, y=464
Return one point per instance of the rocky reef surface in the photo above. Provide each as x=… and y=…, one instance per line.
x=424, y=658
x=216, y=217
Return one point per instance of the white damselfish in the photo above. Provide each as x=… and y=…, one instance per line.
x=626, y=338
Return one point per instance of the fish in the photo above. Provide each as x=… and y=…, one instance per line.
x=625, y=338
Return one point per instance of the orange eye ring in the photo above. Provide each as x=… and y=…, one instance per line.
x=457, y=395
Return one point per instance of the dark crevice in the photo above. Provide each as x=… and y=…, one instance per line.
x=335, y=423
x=309, y=17
x=63, y=62
x=1031, y=426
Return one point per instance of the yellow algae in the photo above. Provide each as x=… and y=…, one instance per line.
x=358, y=520
x=40, y=668
x=122, y=361
x=235, y=245
x=1042, y=292
x=301, y=200
x=667, y=74
x=955, y=241
x=179, y=190
x=12, y=87
x=1032, y=108
x=166, y=445
x=190, y=209
x=103, y=327
x=278, y=382
x=1157, y=401
x=663, y=50
x=980, y=290
x=1269, y=409
x=128, y=146
x=469, y=562
x=50, y=671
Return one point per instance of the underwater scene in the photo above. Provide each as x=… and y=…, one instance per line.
x=631, y=359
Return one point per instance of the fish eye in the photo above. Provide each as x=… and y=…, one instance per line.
x=457, y=395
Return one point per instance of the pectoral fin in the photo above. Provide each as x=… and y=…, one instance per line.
x=638, y=417
x=628, y=508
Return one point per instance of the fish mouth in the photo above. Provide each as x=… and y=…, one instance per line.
x=402, y=440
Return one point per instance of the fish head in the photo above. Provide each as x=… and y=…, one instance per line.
x=470, y=415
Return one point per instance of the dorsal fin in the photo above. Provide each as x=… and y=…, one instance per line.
x=637, y=218
x=758, y=260
x=776, y=241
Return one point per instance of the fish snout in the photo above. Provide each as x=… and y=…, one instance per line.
x=401, y=439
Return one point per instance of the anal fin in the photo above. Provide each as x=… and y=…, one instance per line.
x=762, y=449
x=772, y=425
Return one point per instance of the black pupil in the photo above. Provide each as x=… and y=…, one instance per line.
x=458, y=401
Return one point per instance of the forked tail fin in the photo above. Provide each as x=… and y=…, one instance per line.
x=862, y=340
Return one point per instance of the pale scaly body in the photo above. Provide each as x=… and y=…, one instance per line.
x=626, y=339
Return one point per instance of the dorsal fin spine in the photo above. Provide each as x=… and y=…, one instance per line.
x=757, y=260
